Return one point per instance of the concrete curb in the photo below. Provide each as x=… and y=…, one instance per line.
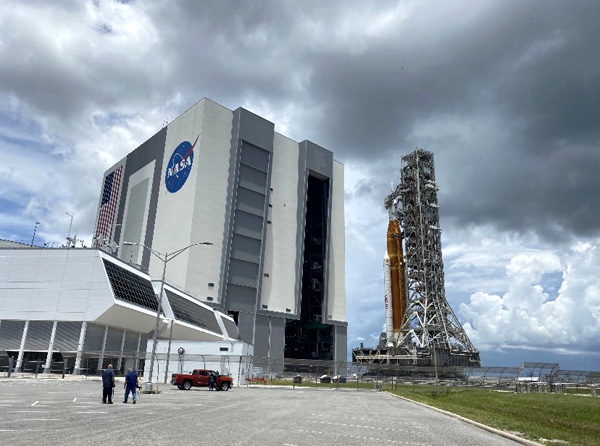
x=474, y=423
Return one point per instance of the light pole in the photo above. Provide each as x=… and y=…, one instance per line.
x=169, y=350
x=34, y=231
x=70, y=225
x=165, y=258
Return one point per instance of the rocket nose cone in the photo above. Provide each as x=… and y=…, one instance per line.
x=386, y=256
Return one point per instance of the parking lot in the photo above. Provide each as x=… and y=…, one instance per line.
x=70, y=411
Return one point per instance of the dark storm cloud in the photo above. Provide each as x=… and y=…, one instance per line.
x=531, y=68
x=506, y=94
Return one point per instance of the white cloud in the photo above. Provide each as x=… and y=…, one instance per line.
x=525, y=315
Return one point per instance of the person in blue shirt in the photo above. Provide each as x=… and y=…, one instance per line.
x=131, y=382
x=108, y=382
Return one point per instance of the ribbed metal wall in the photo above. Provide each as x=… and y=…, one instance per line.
x=114, y=337
x=144, y=341
x=131, y=342
x=67, y=336
x=38, y=335
x=94, y=336
x=11, y=333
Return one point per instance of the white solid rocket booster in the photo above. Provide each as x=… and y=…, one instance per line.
x=389, y=310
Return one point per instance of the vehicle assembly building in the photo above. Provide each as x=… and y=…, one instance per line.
x=421, y=328
x=272, y=208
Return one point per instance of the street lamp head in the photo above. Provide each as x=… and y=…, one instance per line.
x=128, y=243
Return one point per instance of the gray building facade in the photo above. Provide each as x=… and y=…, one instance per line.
x=272, y=208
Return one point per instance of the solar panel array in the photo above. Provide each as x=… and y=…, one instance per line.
x=192, y=313
x=130, y=287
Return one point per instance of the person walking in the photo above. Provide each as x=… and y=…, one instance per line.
x=108, y=382
x=211, y=381
x=131, y=384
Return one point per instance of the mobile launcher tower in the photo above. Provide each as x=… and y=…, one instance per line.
x=421, y=328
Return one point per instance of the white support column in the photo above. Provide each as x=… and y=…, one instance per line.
x=101, y=358
x=77, y=369
x=50, y=348
x=22, y=347
x=120, y=361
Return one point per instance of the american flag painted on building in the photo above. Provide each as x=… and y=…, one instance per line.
x=108, y=207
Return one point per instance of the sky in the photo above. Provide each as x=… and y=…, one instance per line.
x=506, y=94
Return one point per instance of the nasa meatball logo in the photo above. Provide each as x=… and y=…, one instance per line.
x=180, y=166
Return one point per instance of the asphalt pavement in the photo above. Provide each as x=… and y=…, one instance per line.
x=51, y=412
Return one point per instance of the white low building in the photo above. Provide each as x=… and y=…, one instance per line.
x=80, y=309
x=231, y=358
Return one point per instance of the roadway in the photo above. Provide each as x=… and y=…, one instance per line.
x=71, y=412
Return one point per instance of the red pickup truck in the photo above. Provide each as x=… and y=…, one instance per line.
x=200, y=378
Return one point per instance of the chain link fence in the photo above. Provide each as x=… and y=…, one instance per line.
x=318, y=374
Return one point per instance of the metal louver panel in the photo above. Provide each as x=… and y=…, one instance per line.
x=192, y=313
x=11, y=333
x=130, y=287
x=38, y=335
x=67, y=336
x=232, y=330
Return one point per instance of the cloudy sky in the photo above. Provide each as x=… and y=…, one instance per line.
x=505, y=93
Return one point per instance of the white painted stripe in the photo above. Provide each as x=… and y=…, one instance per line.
x=23, y=430
x=40, y=419
x=35, y=403
x=74, y=399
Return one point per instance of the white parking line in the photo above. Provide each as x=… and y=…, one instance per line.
x=22, y=430
x=74, y=399
x=35, y=403
x=41, y=419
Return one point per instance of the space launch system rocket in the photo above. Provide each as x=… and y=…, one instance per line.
x=394, y=284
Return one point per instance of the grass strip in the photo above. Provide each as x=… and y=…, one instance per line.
x=538, y=417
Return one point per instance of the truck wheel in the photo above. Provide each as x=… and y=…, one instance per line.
x=187, y=385
x=225, y=386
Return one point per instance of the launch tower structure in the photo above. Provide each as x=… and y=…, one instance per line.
x=430, y=333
